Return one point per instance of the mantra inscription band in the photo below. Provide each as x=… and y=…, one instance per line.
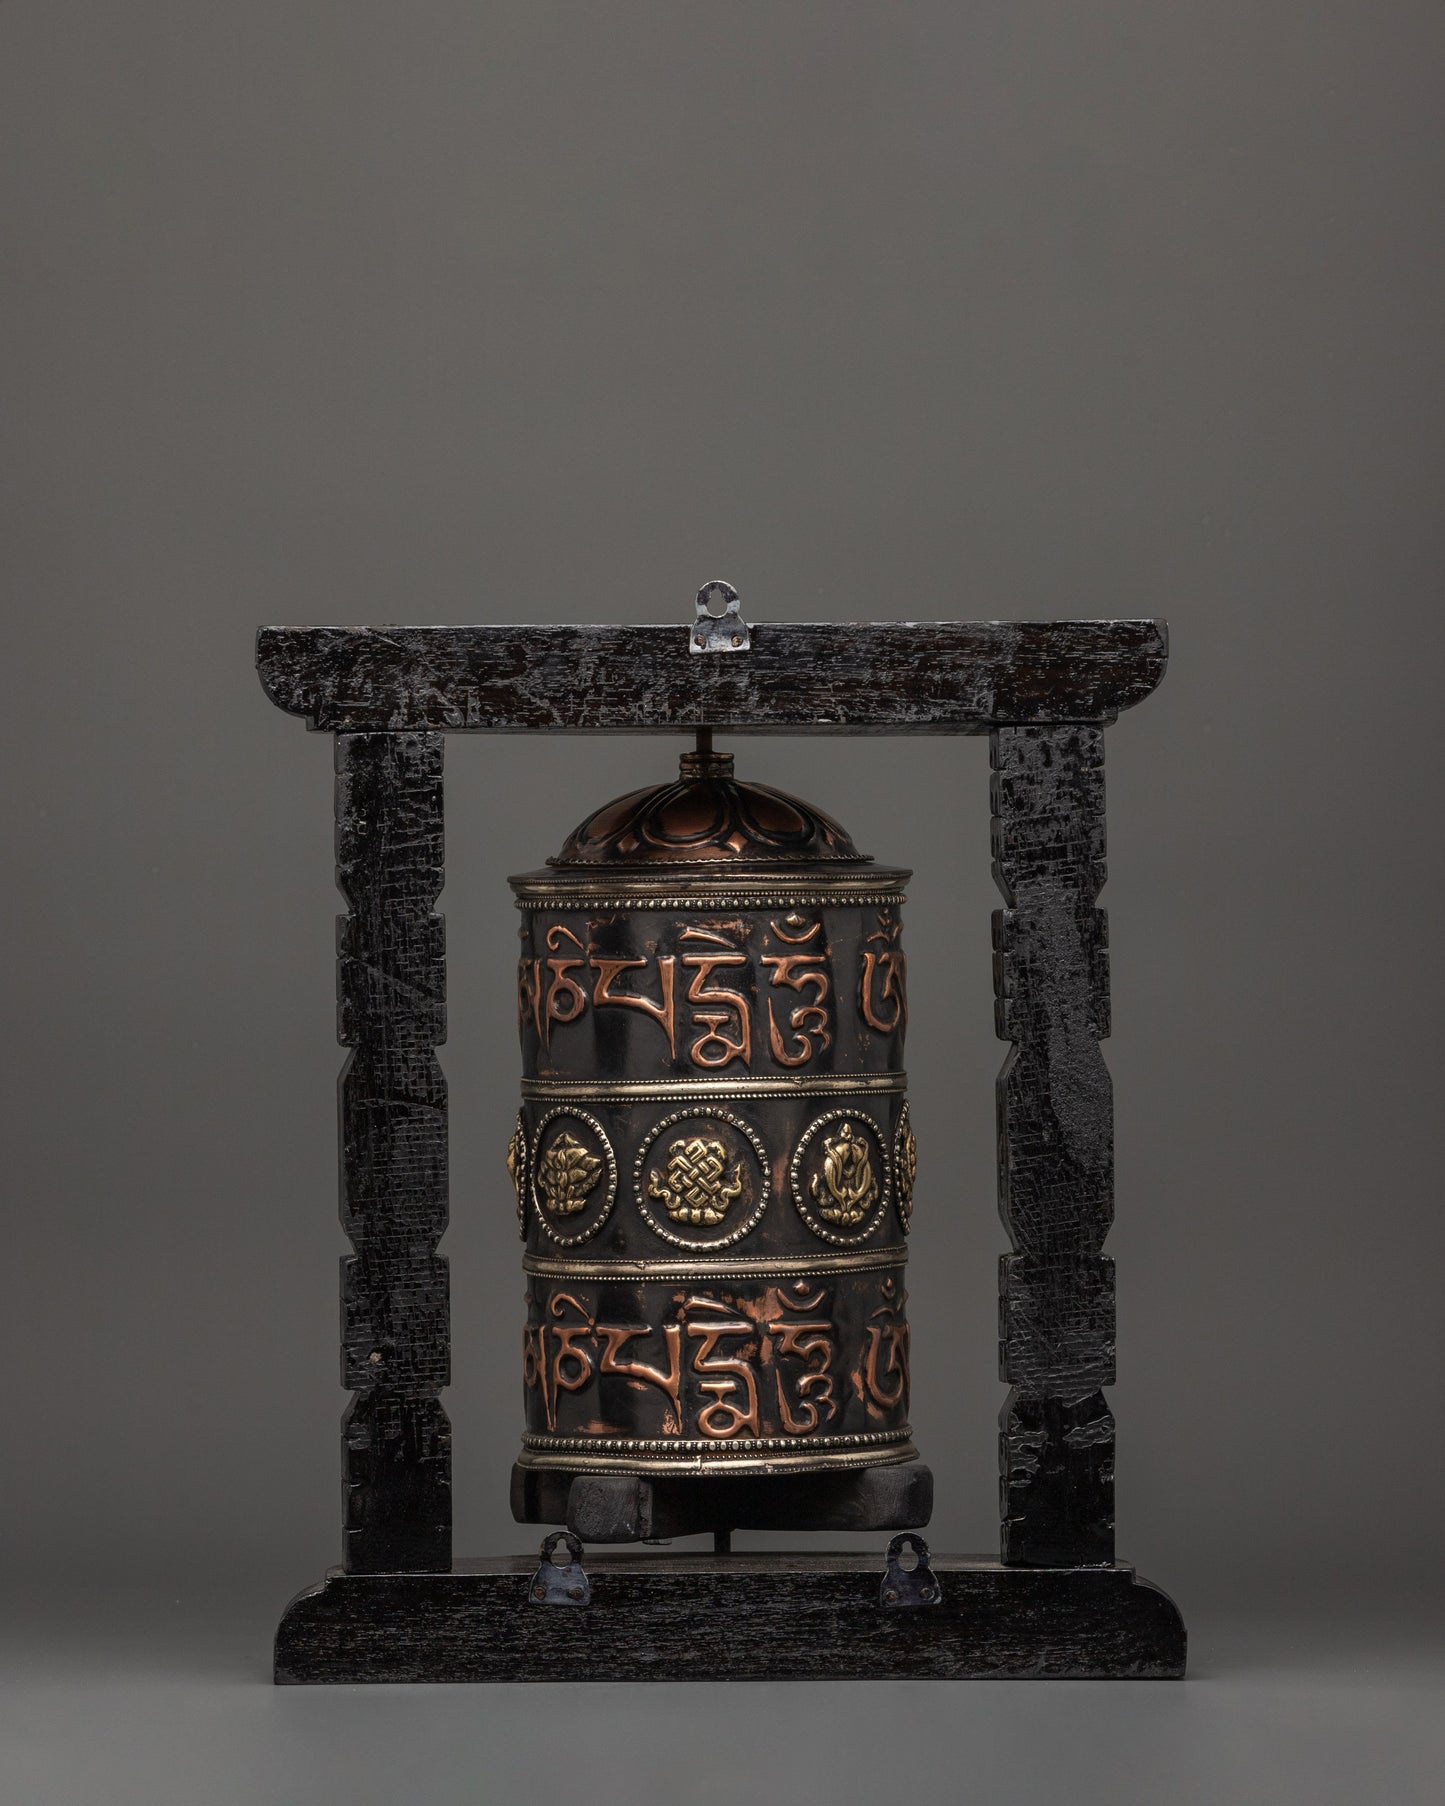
x=713, y=1167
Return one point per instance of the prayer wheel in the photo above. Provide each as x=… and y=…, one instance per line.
x=714, y=1163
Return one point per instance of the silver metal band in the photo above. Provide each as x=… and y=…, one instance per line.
x=767, y=1454
x=619, y=1091
x=642, y=895
x=739, y=1266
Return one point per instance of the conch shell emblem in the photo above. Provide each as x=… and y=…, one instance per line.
x=846, y=1189
x=697, y=1188
x=566, y=1174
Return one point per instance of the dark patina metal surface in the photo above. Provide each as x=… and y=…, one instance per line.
x=713, y=1160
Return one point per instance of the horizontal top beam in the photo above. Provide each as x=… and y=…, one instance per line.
x=903, y=677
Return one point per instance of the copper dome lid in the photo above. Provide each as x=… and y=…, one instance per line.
x=707, y=817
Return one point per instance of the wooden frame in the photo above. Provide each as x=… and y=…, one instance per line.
x=1055, y=1602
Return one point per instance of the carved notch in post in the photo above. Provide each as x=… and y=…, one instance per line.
x=391, y=996
x=1056, y=1147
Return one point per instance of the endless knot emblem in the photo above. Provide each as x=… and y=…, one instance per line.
x=566, y=1173
x=905, y=1169
x=694, y=1190
x=846, y=1189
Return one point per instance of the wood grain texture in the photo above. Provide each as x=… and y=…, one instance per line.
x=391, y=995
x=730, y=1618
x=1056, y=1145
x=896, y=678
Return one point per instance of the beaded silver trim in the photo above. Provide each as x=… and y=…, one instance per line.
x=743, y=1445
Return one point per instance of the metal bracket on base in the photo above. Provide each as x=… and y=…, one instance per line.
x=917, y=1585
x=561, y=1583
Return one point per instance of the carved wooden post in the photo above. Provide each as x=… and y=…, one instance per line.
x=391, y=994
x=1056, y=1147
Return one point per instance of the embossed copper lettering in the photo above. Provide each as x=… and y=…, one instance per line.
x=885, y=1006
x=529, y=993
x=664, y=1012
x=887, y=1330
x=714, y=1048
x=563, y=989
x=553, y=1356
x=765, y=1366
x=800, y=972
x=723, y=1417
x=668, y=1381
x=812, y=1342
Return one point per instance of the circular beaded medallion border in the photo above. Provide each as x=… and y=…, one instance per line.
x=519, y=1155
x=800, y=1201
x=585, y=1235
x=715, y=1113
x=905, y=1170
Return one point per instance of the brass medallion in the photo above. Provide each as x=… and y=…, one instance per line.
x=697, y=1187
x=846, y=1189
x=840, y=1176
x=517, y=1169
x=573, y=1176
x=565, y=1175
x=905, y=1169
x=709, y=1174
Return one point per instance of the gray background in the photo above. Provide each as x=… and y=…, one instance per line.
x=506, y=312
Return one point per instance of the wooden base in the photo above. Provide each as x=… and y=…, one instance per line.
x=670, y=1617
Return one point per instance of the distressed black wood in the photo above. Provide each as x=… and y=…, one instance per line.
x=1056, y=1146
x=668, y=1617
x=1056, y=1605
x=391, y=996
x=934, y=677
x=623, y=1508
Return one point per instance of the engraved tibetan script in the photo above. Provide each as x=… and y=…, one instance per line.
x=722, y=993
x=724, y=1367
x=883, y=991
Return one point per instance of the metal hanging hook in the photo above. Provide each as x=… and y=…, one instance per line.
x=727, y=632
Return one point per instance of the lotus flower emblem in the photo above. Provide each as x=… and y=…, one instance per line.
x=566, y=1174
